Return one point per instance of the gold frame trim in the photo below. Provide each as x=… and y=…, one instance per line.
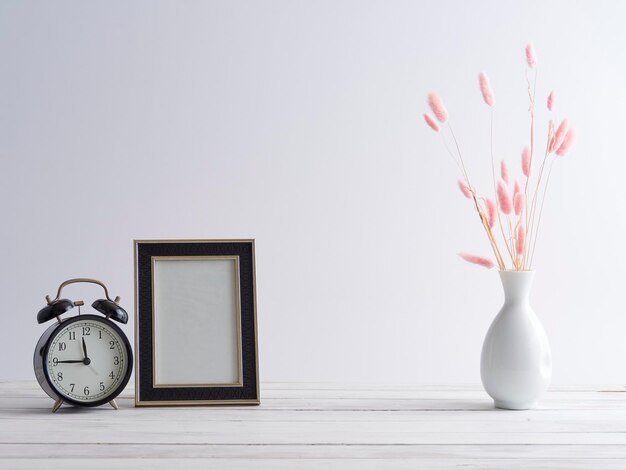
x=140, y=403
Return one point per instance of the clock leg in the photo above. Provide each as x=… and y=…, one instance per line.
x=57, y=405
x=113, y=404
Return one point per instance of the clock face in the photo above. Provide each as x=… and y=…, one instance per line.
x=87, y=360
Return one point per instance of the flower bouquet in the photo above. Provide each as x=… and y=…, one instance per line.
x=516, y=362
x=514, y=214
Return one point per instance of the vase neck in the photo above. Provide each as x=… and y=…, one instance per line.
x=517, y=285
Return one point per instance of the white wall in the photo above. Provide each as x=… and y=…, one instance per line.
x=299, y=124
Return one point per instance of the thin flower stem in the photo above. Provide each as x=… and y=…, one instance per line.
x=531, y=97
x=504, y=238
x=459, y=152
x=533, y=208
x=543, y=200
x=513, y=242
x=454, y=159
x=533, y=226
x=493, y=174
x=493, y=167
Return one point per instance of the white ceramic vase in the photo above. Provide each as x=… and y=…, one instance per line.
x=516, y=362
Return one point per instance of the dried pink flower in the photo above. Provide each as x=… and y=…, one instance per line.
x=531, y=57
x=568, y=142
x=431, y=122
x=486, y=262
x=437, y=107
x=506, y=206
x=521, y=239
x=485, y=89
x=559, y=136
x=516, y=188
x=465, y=189
x=526, y=162
x=504, y=172
x=519, y=202
x=551, y=100
x=491, y=212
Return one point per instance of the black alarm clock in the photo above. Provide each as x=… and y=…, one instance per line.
x=84, y=360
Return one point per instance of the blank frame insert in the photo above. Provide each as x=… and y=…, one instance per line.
x=196, y=321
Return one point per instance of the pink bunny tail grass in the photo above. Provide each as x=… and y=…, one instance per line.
x=485, y=89
x=551, y=100
x=519, y=202
x=531, y=57
x=506, y=206
x=437, y=107
x=517, y=188
x=559, y=135
x=504, y=172
x=491, y=212
x=567, y=144
x=431, y=123
x=526, y=162
x=465, y=189
x=479, y=260
x=521, y=239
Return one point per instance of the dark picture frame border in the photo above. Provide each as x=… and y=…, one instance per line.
x=146, y=394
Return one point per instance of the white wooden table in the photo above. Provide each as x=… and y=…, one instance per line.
x=319, y=426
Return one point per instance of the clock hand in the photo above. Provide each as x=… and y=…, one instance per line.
x=85, y=361
x=85, y=349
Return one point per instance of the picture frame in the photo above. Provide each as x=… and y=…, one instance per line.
x=195, y=323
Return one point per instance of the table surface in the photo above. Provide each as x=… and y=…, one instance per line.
x=320, y=426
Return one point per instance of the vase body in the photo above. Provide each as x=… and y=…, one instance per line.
x=516, y=362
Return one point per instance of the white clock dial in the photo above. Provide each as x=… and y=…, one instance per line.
x=86, y=361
